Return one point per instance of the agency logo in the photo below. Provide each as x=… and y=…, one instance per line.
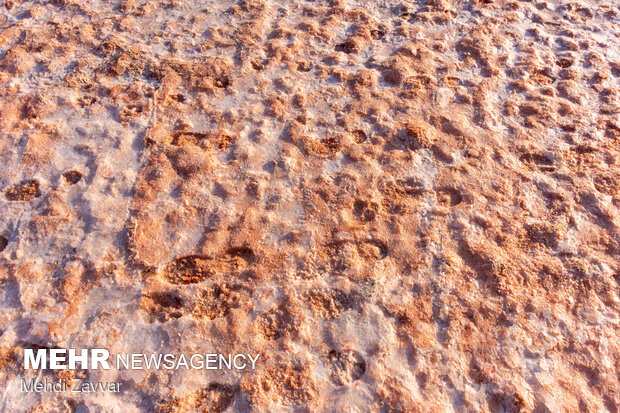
x=100, y=359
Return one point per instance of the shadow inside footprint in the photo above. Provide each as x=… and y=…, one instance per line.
x=24, y=191
x=346, y=366
x=190, y=269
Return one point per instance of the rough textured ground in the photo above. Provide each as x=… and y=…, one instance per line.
x=404, y=206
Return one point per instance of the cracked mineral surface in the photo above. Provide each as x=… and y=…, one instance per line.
x=403, y=206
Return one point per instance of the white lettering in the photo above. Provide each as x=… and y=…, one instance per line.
x=191, y=361
x=124, y=361
x=100, y=357
x=253, y=360
x=211, y=358
x=56, y=359
x=73, y=359
x=152, y=361
x=77, y=386
x=235, y=362
x=26, y=387
x=182, y=361
x=30, y=362
x=136, y=361
x=226, y=362
x=169, y=361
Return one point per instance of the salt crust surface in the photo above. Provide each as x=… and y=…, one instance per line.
x=402, y=206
